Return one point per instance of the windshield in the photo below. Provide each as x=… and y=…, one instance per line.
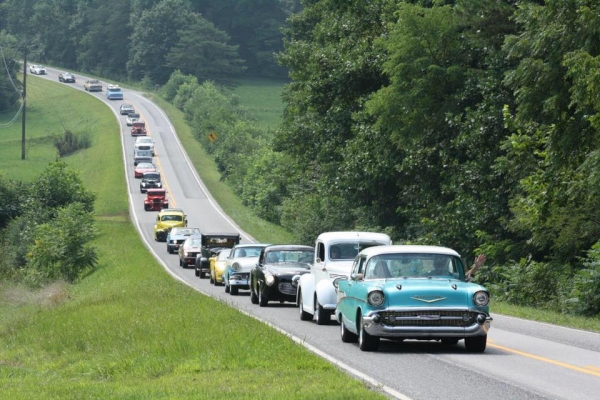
x=186, y=232
x=414, y=266
x=289, y=256
x=247, y=252
x=348, y=250
x=171, y=218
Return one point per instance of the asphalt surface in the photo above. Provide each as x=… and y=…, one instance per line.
x=523, y=360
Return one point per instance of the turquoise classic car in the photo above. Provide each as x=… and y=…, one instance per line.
x=411, y=292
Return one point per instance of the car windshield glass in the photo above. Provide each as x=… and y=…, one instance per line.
x=188, y=232
x=145, y=166
x=193, y=243
x=171, y=218
x=349, y=250
x=415, y=266
x=247, y=252
x=289, y=257
x=151, y=175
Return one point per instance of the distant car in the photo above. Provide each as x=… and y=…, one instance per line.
x=138, y=128
x=114, y=92
x=188, y=251
x=411, y=292
x=66, y=77
x=126, y=109
x=177, y=236
x=92, y=85
x=166, y=220
x=140, y=156
x=37, y=69
x=275, y=276
x=150, y=180
x=156, y=200
x=131, y=118
x=142, y=167
x=240, y=262
x=144, y=143
x=218, y=262
x=212, y=243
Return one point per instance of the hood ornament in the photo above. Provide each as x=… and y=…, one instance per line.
x=428, y=299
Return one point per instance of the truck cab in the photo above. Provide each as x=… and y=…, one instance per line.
x=334, y=254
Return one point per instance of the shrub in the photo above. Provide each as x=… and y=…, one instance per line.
x=69, y=143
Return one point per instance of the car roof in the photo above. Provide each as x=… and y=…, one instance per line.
x=237, y=246
x=277, y=247
x=171, y=211
x=408, y=249
x=349, y=236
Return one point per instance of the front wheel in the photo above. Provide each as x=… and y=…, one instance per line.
x=347, y=336
x=476, y=344
x=366, y=342
x=304, y=316
x=322, y=316
x=226, y=288
x=253, y=295
x=262, y=300
x=234, y=290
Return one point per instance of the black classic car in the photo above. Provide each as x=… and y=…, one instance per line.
x=275, y=276
x=150, y=180
x=211, y=245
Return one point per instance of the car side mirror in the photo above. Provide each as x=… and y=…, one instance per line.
x=357, y=277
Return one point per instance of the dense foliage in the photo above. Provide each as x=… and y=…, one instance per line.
x=135, y=39
x=47, y=225
x=470, y=124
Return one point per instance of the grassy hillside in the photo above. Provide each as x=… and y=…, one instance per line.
x=129, y=331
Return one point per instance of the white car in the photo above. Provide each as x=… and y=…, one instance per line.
x=132, y=117
x=334, y=255
x=239, y=263
x=144, y=143
x=37, y=69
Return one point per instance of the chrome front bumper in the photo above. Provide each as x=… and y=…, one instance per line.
x=418, y=328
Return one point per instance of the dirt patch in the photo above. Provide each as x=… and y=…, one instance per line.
x=48, y=296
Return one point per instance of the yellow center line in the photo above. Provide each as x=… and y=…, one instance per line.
x=163, y=178
x=587, y=370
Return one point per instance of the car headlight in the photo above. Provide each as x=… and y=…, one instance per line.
x=235, y=266
x=481, y=298
x=376, y=298
x=159, y=184
x=269, y=279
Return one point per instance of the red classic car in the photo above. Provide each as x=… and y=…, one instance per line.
x=138, y=128
x=142, y=167
x=156, y=200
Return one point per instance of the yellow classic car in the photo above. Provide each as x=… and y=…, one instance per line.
x=217, y=266
x=167, y=219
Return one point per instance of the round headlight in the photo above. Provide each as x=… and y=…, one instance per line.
x=235, y=266
x=376, y=298
x=481, y=298
x=269, y=279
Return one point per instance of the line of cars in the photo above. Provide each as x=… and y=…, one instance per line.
x=375, y=290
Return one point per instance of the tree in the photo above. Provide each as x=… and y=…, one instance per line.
x=202, y=52
x=154, y=34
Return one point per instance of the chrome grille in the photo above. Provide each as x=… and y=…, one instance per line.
x=287, y=288
x=428, y=318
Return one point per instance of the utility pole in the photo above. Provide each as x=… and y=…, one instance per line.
x=24, y=104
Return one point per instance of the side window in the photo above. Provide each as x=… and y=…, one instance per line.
x=360, y=265
x=321, y=251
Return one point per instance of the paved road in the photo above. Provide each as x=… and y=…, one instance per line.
x=524, y=360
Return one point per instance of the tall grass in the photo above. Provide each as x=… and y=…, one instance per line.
x=129, y=331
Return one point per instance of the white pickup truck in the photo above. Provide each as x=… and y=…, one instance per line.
x=334, y=254
x=92, y=85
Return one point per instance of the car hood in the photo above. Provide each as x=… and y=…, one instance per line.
x=424, y=292
x=170, y=224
